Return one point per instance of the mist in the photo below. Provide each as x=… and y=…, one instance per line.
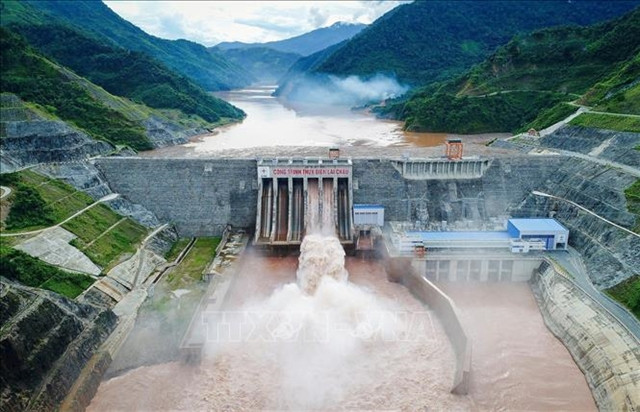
x=350, y=91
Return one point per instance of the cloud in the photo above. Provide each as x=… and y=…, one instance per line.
x=210, y=22
x=329, y=90
x=317, y=17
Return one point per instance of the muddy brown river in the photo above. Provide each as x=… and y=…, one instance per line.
x=517, y=363
x=270, y=123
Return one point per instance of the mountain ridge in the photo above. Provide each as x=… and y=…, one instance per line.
x=304, y=44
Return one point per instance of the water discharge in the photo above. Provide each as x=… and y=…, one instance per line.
x=320, y=257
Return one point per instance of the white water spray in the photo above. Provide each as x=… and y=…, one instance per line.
x=320, y=256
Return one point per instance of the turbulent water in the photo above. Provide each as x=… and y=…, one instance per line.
x=320, y=257
x=356, y=345
x=407, y=365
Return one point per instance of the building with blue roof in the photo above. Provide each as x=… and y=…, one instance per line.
x=521, y=236
x=547, y=231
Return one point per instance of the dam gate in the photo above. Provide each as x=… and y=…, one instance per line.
x=302, y=195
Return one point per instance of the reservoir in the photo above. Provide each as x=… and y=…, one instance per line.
x=270, y=123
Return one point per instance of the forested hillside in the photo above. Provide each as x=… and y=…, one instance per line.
x=429, y=41
x=532, y=75
x=207, y=68
x=124, y=73
x=31, y=76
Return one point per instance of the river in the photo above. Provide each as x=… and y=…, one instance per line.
x=517, y=363
x=270, y=123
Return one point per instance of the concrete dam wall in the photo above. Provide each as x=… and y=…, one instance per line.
x=199, y=196
x=202, y=196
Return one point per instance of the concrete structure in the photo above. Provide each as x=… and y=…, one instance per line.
x=453, y=149
x=201, y=196
x=478, y=266
x=607, y=353
x=400, y=270
x=296, y=195
x=547, y=231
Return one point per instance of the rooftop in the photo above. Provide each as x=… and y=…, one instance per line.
x=533, y=225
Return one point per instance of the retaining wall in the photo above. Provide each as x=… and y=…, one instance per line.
x=606, y=352
x=401, y=270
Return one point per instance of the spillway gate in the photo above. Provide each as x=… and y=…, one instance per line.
x=303, y=195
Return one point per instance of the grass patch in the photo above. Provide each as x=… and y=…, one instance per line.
x=91, y=224
x=17, y=265
x=551, y=116
x=607, y=121
x=194, y=263
x=632, y=193
x=177, y=247
x=627, y=293
x=124, y=238
x=40, y=202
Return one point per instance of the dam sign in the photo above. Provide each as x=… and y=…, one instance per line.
x=307, y=170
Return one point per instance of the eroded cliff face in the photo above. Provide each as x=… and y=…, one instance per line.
x=611, y=255
x=45, y=341
x=29, y=138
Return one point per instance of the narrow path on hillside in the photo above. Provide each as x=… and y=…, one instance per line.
x=31, y=232
x=572, y=263
x=6, y=191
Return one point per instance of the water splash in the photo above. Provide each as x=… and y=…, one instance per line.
x=320, y=256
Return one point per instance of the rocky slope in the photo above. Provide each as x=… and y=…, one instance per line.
x=45, y=341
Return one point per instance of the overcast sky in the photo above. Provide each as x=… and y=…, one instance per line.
x=210, y=22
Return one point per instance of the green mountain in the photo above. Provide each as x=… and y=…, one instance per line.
x=264, y=64
x=208, y=69
x=430, y=41
x=34, y=78
x=124, y=73
x=532, y=76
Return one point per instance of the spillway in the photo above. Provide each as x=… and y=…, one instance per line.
x=300, y=196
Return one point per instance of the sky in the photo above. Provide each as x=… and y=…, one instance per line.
x=211, y=22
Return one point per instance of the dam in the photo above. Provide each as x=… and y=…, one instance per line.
x=281, y=200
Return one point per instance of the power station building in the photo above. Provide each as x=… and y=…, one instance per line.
x=550, y=234
x=521, y=236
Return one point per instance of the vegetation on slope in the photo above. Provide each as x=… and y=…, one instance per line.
x=608, y=121
x=125, y=73
x=471, y=114
x=103, y=235
x=26, y=73
x=194, y=264
x=30, y=271
x=559, y=64
x=632, y=193
x=551, y=116
x=619, y=92
x=39, y=202
x=429, y=41
x=627, y=292
x=206, y=68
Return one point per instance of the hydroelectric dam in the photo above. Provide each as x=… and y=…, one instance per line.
x=281, y=200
